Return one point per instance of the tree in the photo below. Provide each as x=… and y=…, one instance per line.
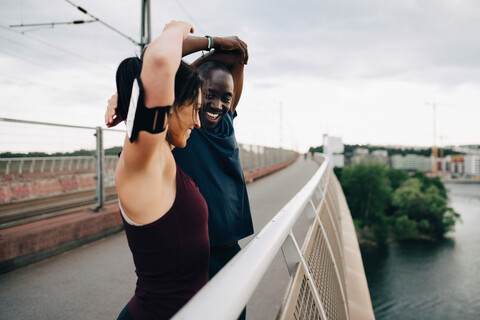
x=397, y=177
x=367, y=189
x=420, y=199
x=405, y=228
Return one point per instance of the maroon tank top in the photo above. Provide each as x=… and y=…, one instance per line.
x=171, y=255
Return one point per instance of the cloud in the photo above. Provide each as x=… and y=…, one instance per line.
x=340, y=66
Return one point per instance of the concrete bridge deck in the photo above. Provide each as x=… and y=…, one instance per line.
x=96, y=280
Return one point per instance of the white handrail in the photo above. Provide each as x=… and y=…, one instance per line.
x=225, y=296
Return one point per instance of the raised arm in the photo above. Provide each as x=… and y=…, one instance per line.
x=234, y=61
x=191, y=44
x=194, y=44
x=232, y=52
x=160, y=64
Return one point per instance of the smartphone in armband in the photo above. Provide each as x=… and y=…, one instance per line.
x=141, y=118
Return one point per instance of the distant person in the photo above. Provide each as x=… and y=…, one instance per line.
x=212, y=157
x=164, y=214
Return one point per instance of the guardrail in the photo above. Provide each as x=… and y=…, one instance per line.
x=29, y=178
x=327, y=276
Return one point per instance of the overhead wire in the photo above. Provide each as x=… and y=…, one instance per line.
x=48, y=44
x=40, y=63
x=103, y=22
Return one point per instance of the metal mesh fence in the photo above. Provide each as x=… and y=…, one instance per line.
x=44, y=159
x=322, y=270
x=31, y=138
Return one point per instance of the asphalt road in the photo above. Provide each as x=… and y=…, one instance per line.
x=97, y=280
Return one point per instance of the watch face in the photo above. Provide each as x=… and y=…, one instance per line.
x=132, y=109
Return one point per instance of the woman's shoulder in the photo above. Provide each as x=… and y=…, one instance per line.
x=147, y=195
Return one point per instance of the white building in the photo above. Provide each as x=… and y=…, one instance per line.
x=472, y=165
x=453, y=165
x=359, y=155
x=411, y=162
x=380, y=155
x=333, y=147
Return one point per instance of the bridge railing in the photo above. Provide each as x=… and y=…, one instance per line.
x=327, y=277
x=25, y=178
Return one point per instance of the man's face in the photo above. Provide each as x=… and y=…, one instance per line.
x=217, y=98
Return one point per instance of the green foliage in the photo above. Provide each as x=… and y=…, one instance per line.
x=358, y=224
x=397, y=177
x=382, y=229
x=81, y=152
x=409, y=200
x=316, y=149
x=338, y=172
x=388, y=204
x=113, y=151
x=423, y=225
x=349, y=148
x=405, y=228
x=424, y=200
x=427, y=182
x=367, y=189
x=450, y=217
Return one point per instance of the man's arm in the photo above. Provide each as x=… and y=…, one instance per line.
x=235, y=62
x=194, y=44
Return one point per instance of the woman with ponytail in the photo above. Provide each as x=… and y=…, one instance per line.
x=164, y=214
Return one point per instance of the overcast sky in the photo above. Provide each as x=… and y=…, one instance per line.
x=367, y=71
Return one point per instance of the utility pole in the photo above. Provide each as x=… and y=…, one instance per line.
x=281, y=125
x=434, y=147
x=146, y=30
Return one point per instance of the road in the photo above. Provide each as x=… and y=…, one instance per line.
x=97, y=280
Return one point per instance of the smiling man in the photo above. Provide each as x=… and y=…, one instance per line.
x=212, y=157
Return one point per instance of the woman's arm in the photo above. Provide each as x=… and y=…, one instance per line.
x=160, y=64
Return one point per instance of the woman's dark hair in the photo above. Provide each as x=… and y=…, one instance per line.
x=188, y=84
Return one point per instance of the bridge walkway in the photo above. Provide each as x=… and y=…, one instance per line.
x=96, y=280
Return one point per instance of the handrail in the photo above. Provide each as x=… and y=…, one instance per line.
x=225, y=296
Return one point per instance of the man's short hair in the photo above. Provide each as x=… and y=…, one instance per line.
x=205, y=68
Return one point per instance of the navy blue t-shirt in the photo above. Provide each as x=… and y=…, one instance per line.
x=212, y=160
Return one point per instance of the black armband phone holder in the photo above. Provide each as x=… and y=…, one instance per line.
x=141, y=118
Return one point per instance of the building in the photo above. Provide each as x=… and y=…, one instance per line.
x=454, y=165
x=472, y=165
x=411, y=162
x=333, y=147
x=380, y=155
x=359, y=155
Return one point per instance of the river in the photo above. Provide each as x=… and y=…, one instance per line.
x=423, y=280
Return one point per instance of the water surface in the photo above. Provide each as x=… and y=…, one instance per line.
x=425, y=280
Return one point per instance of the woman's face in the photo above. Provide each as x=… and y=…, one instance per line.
x=182, y=122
